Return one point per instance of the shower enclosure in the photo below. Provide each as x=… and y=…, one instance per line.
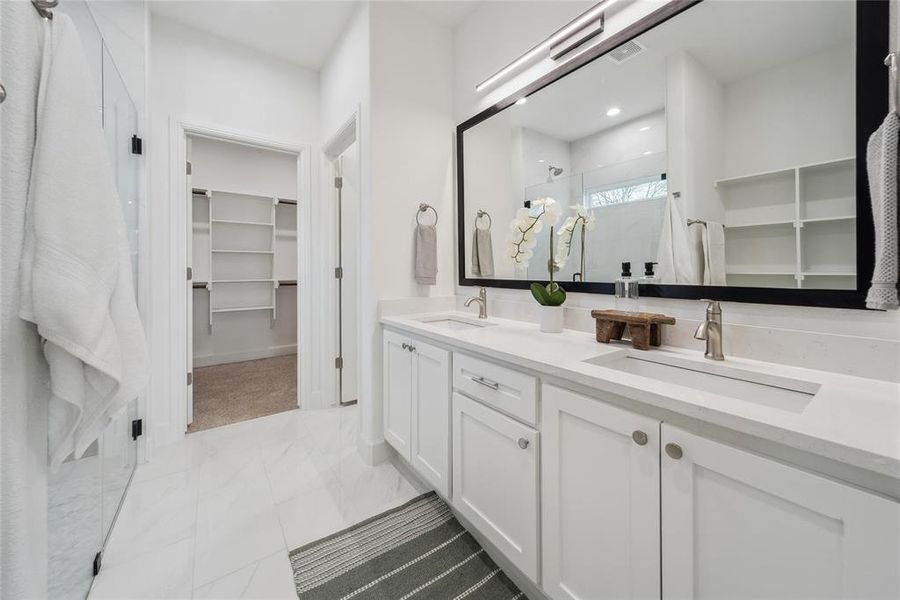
x=84, y=495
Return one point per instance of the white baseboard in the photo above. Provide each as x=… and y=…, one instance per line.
x=373, y=453
x=221, y=359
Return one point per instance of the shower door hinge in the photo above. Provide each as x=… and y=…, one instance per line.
x=137, y=429
x=190, y=379
x=189, y=273
x=339, y=362
x=187, y=167
x=137, y=145
x=339, y=272
x=98, y=562
x=338, y=182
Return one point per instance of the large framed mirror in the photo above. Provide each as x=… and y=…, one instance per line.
x=718, y=146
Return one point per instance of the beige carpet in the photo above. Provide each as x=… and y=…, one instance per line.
x=240, y=391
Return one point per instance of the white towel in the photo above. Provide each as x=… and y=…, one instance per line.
x=76, y=280
x=426, y=254
x=881, y=162
x=673, y=256
x=713, y=240
x=482, y=253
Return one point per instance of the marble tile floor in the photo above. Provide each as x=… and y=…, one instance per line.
x=215, y=515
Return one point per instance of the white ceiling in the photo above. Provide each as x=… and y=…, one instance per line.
x=731, y=38
x=303, y=32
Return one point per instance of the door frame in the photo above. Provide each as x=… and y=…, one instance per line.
x=179, y=131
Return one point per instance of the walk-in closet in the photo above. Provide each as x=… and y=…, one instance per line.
x=243, y=306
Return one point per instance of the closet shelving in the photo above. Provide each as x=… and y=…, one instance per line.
x=242, y=248
x=792, y=227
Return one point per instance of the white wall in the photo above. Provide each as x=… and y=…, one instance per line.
x=495, y=34
x=768, y=121
x=625, y=142
x=411, y=158
x=202, y=79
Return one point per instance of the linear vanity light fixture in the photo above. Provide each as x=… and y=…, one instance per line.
x=560, y=35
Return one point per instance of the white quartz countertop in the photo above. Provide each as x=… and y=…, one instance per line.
x=851, y=420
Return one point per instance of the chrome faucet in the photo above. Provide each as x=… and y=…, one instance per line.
x=711, y=331
x=482, y=303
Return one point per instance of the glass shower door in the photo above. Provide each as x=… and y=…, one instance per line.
x=84, y=494
x=118, y=450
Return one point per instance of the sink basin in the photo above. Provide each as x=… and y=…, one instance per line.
x=455, y=323
x=784, y=393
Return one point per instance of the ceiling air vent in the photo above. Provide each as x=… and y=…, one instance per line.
x=624, y=52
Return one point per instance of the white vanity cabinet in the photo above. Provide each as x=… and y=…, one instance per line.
x=599, y=499
x=417, y=406
x=738, y=525
x=495, y=479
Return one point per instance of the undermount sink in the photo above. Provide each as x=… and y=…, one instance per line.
x=783, y=393
x=455, y=323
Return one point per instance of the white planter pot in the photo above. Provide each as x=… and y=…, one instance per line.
x=552, y=319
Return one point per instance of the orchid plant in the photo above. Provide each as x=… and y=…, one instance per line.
x=522, y=240
x=567, y=232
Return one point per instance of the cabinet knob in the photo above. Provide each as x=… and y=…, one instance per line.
x=639, y=437
x=523, y=443
x=674, y=451
x=405, y=346
x=411, y=348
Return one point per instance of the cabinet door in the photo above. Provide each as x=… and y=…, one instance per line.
x=397, y=386
x=737, y=525
x=495, y=485
x=431, y=415
x=600, y=499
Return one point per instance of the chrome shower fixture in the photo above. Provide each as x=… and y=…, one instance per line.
x=553, y=172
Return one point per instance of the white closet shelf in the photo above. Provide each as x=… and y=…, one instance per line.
x=827, y=219
x=760, y=224
x=242, y=251
x=784, y=172
x=759, y=272
x=829, y=273
x=242, y=309
x=243, y=281
x=232, y=222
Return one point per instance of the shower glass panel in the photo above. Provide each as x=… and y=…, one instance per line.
x=85, y=493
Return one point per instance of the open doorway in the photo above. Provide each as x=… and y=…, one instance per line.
x=242, y=300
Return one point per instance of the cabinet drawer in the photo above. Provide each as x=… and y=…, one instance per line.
x=508, y=391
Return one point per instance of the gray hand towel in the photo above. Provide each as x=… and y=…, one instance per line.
x=426, y=254
x=482, y=253
x=881, y=161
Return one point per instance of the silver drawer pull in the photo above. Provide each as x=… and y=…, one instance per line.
x=523, y=443
x=487, y=383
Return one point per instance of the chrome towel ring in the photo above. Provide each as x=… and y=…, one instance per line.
x=483, y=213
x=423, y=208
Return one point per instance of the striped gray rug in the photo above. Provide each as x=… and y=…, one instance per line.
x=415, y=551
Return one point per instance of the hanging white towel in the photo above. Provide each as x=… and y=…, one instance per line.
x=713, y=240
x=881, y=161
x=426, y=254
x=76, y=279
x=673, y=256
x=482, y=253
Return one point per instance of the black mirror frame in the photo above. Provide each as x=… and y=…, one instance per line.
x=872, y=33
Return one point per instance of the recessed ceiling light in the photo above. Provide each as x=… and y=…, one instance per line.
x=541, y=160
x=644, y=128
x=613, y=111
x=521, y=101
x=648, y=152
x=600, y=166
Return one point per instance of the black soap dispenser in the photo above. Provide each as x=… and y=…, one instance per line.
x=649, y=276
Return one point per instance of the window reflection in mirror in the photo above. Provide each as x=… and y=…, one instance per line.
x=699, y=120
